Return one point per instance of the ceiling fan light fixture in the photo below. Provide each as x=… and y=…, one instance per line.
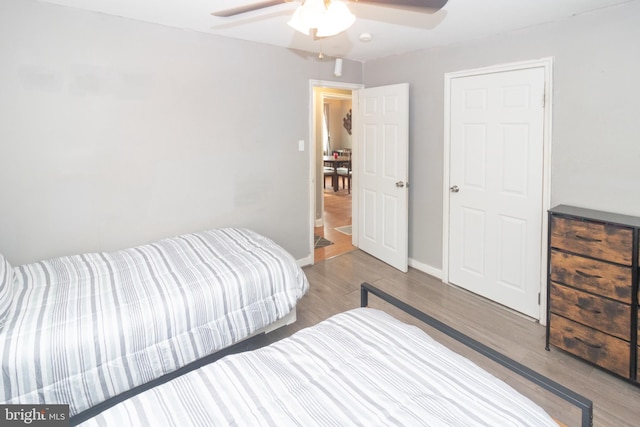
x=336, y=19
x=328, y=18
x=297, y=23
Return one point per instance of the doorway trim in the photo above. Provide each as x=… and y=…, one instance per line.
x=547, y=65
x=328, y=84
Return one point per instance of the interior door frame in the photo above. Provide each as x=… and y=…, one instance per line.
x=311, y=146
x=547, y=65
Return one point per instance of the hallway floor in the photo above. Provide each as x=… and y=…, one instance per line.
x=337, y=213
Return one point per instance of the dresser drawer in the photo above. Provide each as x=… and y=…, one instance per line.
x=607, y=316
x=596, y=347
x=598, y=277
x=594, y=239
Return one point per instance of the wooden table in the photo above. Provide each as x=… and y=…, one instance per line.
x=335, y=162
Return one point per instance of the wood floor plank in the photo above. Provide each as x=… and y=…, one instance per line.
x=337, y=213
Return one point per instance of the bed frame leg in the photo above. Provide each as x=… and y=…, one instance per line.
x=364, y=296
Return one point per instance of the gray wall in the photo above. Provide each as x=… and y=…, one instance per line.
x=115, y=132
x=595, y=133
x=340, y=138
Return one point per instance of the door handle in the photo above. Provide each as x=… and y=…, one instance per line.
x=454, y=189
x=399, y=184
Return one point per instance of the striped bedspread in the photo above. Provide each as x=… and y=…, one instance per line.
x=88, y=327
x=361, y=367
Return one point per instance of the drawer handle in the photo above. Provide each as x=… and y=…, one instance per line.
x=588, y=239
x=591, y=310
x=587, y=275
x=596, y=346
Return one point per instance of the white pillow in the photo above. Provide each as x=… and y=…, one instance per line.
x=6, y=289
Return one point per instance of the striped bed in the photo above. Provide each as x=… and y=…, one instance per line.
x=84, y=328
x=360, y=367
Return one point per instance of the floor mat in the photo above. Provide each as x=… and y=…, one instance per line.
x=345, y=230
x=320, y=242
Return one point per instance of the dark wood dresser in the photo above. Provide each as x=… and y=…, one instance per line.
x=592, y=306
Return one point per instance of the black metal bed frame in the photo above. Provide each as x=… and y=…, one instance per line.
x=585, y=405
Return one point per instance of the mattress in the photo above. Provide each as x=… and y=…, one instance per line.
x=88, y=327
x=360, y=367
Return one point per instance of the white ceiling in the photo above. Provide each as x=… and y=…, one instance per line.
x=393, y=31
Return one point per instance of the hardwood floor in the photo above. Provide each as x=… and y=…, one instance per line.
x=337, y=213
x=335, y=285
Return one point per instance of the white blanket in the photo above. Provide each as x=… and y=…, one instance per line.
x=362, y=367
x=88, y=327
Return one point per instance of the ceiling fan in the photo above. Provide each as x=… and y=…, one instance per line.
x=324, y=18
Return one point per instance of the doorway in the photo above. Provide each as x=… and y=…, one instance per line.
x=332, y=207
x=379, y=168
x=496, y=183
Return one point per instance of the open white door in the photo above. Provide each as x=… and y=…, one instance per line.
x=382, y=118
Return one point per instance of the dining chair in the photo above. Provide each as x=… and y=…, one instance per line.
x=346, y=173
x=328, y=172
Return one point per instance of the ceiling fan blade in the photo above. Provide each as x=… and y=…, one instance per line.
x=428, y=5
x=433, y=5
x=248, y=8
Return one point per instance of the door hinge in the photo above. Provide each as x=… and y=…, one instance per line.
x=544, y=100
x=538, y=298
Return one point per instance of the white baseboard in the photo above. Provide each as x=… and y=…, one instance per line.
x=305, y=261
x=425, y=268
